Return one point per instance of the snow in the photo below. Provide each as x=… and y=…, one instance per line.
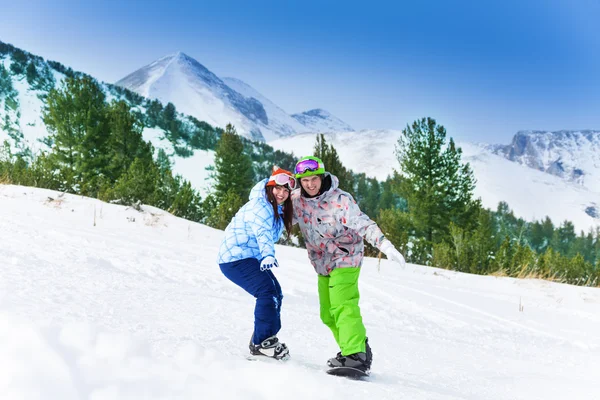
x=31, y=123
x=279, y=120
x=99, y=301
x=196, y=91
x=192, y=169
x=530, y=193
x=28, y=116
x=193, y=92
x=319, y=120
x=572, y=150
x=368, y=151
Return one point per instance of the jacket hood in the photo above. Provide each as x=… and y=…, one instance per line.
x=258, y=191
x=335, y=182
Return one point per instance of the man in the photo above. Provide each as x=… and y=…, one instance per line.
x=333, y=227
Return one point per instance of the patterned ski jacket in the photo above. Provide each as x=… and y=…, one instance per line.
x=333, y=228
x=253, y=231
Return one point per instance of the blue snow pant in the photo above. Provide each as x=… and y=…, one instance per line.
x=264, y=287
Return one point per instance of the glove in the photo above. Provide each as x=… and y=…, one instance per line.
x=268, y=262
x=391, y=253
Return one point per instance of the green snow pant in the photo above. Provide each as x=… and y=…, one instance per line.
x=338, y=298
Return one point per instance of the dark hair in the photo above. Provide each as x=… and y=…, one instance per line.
x=288, y=208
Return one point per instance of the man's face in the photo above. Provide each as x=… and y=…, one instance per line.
x=311, y=184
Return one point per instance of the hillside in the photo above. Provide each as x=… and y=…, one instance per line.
x=100, y=301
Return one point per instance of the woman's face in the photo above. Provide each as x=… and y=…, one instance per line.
x=281, y=193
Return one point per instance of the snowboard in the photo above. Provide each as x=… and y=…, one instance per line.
x=348, y=372
x=258, y=357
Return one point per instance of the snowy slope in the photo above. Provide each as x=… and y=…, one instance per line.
x=532, y=194
x=368, y=151
x=571, y=155
x=192, y=169
x=279, y=121
x=196, y=91
x=133, y=306
x=319, y=120
x=27, y=119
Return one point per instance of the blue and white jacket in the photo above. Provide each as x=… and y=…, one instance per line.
x=253, y=231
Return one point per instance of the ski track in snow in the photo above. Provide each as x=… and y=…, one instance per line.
x=135, y=307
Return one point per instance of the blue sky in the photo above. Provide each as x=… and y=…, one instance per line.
x=483, y=69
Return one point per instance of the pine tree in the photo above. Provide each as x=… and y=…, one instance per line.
x=523, y=261
x=328, y=154
x=75, y=115
x=233, y=168
x=162, y=160
x=126, y=142
x=563, y=238
x=31, y=73
x=228, y=205
x=396, y=227
x=187, y=203
x=437, y=186
x=483, y=243
x=139, y=183
x=371, y=201
x=504, y=256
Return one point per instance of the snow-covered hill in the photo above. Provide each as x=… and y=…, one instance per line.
x=99, y=301
x=573, y=193
x=22, y=125
x=279, y=121
x=531, y=193
x=319, y=120
x=196, y=91
x=368, y=151
x=571, y=155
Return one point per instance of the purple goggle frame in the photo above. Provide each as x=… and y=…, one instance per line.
x=306, y=165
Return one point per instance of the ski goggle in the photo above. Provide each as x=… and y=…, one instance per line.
x=283, y=180
x=307, y=165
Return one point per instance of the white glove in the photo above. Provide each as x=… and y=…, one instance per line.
x=391, y=253
x=268, y=262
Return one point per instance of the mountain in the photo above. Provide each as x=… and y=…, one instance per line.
x=196, y=91
x=532, y=194
x=319, y=120
x=368, y=151
x=571, y=155
x=279, y=121
x=22, y=100
x=134, y=306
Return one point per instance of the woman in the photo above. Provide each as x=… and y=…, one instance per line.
x=247, y=255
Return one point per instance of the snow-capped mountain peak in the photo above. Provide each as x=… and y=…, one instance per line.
x=532, y=194
x=319, y=120
x=569, y=154
x=279, y=120
x=195, y=90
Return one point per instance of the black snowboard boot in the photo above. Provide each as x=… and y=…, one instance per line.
x=270, y=347
x=360, y=360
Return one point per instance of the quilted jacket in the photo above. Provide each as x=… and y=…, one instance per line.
x=333, y=228
x=253, y=230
